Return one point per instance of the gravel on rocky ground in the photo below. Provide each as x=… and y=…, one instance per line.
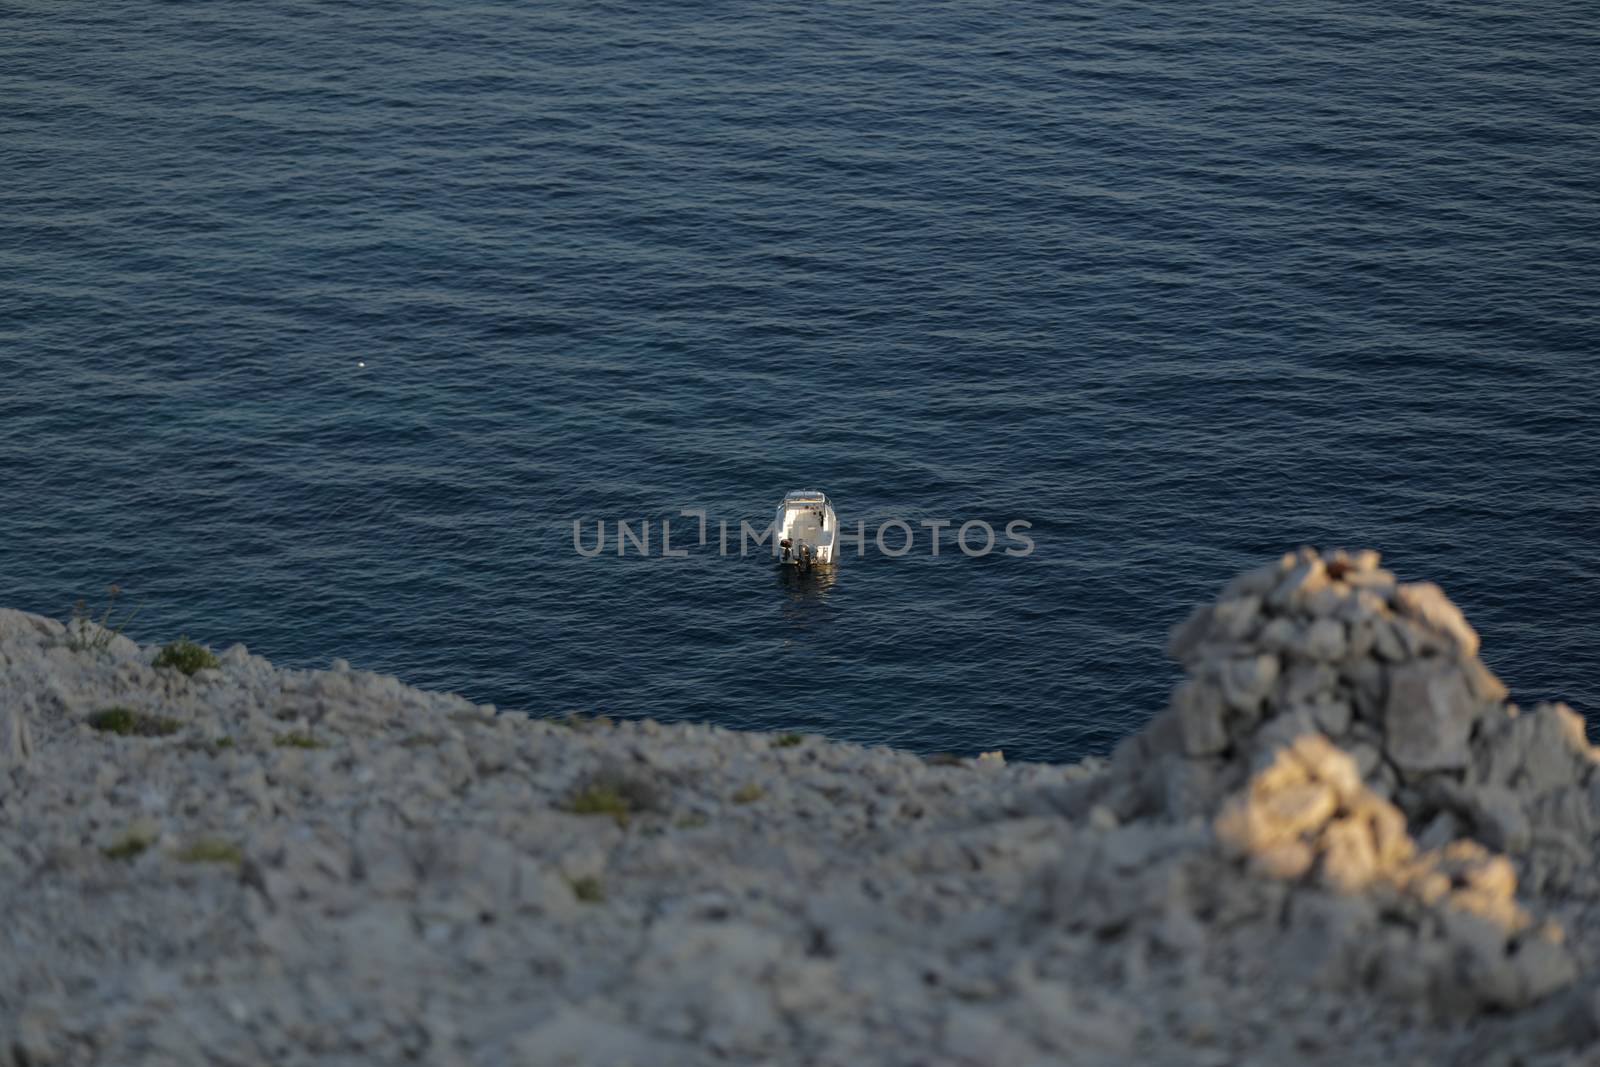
x=1338, y=844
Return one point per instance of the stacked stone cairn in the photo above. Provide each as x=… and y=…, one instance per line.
x=1339, y=734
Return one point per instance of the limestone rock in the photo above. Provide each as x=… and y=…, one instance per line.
x=578, y=1037
x=1428, y=717
x=332, y=866
x=1533, y=752
x=1427, y=603
x=1286, y=860
x=1324, y=641
x=1349, y=857
x=1392, y=670
x=1500, y=818
x=20, y=625
x=1198, y=706
x=1235, y=619
x=1308, y=575
x=1187, y=635
x=1259, y=581
x=16, y=739
x=1247, y=680
x=1333, y=716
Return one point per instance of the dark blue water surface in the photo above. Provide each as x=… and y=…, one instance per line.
x=1183, y=285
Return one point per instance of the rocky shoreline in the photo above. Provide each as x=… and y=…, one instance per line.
x=1338, y=844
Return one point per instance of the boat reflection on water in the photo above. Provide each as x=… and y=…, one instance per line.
x=806, y=587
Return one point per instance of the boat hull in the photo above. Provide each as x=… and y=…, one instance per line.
x=805, y=531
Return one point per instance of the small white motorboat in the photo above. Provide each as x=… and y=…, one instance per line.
x=806, y=530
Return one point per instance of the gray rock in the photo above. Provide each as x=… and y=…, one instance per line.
x=1306, y=683
x=1365, y=755
x=1368, y=684
x=1387, y=642
x=1281, y=634
x=1542, y=964
x=575, y=1036
x=1349, y=857
x=1332, y=716
x=16, y=739
x=1247, y=680
x=1188, y=635
x=1426, y=603
x=1324, y=641
x=1500, y=818
x=1283, y=730
x=1235, y=619
x=1306, y=577
x=23, y=627
x=1259, y=581
x=1199, y=708
x=1428, y=717
x=1484, y=685
x=1365, y=561
x=1542, y=750
x=36, y=1040
x=1363, y=606
x=1284, y=861
x=1378, y=581
x=1362, y=639
x=1443, y=829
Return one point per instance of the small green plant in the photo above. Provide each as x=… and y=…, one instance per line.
x=587, y=888
x=85, y=633
x=600, y=800
x=789, y=740
x=130, y=844
x=616, y=791
x=186, y=656
x=692, y=822
x=212, y=850
x=297, y=739
x=748, y=793
x=125, y=722
x=125, y=849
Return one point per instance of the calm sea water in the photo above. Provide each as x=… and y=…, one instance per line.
x=1183, y=285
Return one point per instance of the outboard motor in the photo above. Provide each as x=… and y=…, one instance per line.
x=784, y=544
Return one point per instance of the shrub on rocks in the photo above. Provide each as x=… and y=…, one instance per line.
x=133, y=842
x=125, y=722
x=618, y=793
x=587, y=888
x=600, y=800
x=85, y=633
x=748, y=793
x=212, y=850
x=185, y=656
